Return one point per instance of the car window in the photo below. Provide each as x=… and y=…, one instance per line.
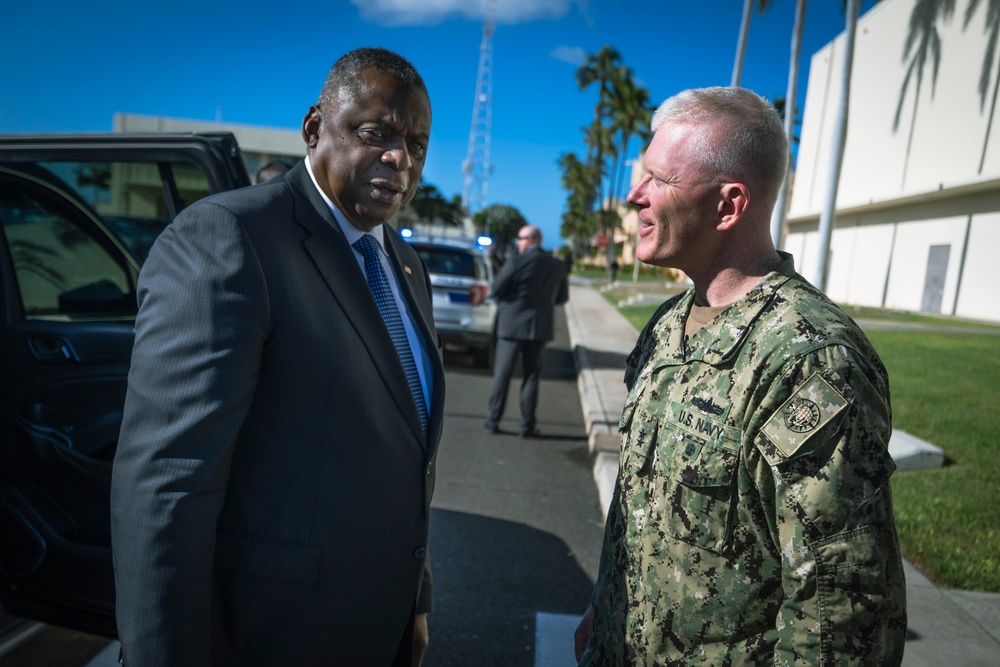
x=131, y=197
x=449, y=261
x=62, y=263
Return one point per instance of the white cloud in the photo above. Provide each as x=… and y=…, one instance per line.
x=573, y=55
x=430, y=12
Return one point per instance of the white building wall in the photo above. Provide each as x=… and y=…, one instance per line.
x=874, y=160
x=949, y=127
x=861, y=277
x=910, y=253
x=912, y=173
x=251, y=138
x=980, y=292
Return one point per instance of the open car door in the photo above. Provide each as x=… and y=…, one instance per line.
x=78, y=214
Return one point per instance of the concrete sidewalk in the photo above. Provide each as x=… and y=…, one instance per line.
x=945, y=627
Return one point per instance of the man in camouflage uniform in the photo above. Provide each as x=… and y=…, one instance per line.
x=752, y=521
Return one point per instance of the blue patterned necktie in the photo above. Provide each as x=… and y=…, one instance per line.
x=379, y=284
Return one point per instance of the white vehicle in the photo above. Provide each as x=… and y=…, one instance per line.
x=461, y=273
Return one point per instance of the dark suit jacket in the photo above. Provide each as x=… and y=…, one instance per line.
x=272, y=486
x=527, y=289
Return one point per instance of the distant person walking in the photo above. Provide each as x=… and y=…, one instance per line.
x=528, y=288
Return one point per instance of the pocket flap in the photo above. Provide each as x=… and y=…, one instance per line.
x=631, y=403
x=270, y=559
x=698, y=463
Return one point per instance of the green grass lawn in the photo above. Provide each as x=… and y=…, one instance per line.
x=946, y=390
x=908, y=317
x=638, y=315
x=625, y=272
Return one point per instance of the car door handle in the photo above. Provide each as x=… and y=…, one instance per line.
x=49, y=349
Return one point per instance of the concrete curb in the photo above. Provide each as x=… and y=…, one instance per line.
x=600, y=361
x=602, y=389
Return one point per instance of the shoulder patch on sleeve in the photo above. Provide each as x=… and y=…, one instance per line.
x=812, y=405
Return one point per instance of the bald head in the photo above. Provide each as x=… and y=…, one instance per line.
x=528, y=236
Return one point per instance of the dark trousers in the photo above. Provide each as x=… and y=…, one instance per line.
x=404, y=654
x=532, y=357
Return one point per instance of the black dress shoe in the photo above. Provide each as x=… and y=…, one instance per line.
x=491, y=428
x=530, y=433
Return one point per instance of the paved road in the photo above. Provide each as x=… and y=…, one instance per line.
x=517, y=524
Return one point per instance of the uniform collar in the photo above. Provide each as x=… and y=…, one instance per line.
x=721, y=337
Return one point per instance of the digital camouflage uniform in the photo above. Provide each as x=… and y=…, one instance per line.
x=752, y=521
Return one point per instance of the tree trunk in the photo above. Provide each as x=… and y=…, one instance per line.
x=989, y=122
x=828, y=212
x=741, y=43
x=781, y=206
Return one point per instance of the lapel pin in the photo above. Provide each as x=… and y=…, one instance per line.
x=407, y=270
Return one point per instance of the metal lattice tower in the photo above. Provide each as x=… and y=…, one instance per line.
x=477, y=165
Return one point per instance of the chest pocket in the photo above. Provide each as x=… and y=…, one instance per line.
x=692, y=479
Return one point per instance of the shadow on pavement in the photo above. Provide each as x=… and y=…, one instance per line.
x=490, y=579
x=543, y=436
x=599, y=359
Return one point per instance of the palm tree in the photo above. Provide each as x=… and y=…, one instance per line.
x=600, y=145
x=600, y=141
x=501, y=223
x=993, y=30
x=828, y=212
x=781, y=206
x=579, y=220
x=741, y=42
x=923, y=42
x=630, y=116
x=430, y=206
x=621, y=113
x=601, y=68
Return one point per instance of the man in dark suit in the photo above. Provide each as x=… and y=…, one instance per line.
x=272, y=486
x=527, y=290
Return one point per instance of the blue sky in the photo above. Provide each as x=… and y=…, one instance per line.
x=69, y=66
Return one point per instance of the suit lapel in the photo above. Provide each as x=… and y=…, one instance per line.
x=335, y=261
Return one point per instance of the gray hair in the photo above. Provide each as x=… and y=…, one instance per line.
x=743, y=137
x=346, y=74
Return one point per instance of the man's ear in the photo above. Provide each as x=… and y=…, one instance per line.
x=734, y=201
x=310, y=126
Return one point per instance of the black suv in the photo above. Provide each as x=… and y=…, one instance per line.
x=78, y=214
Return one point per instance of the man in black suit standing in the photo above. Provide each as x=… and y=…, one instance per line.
x=272, y=485
x=527, y=290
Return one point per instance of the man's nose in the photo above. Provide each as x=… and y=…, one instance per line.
x=397, y=156
x=635, y=193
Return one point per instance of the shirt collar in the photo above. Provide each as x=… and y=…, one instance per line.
x=350, y=231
